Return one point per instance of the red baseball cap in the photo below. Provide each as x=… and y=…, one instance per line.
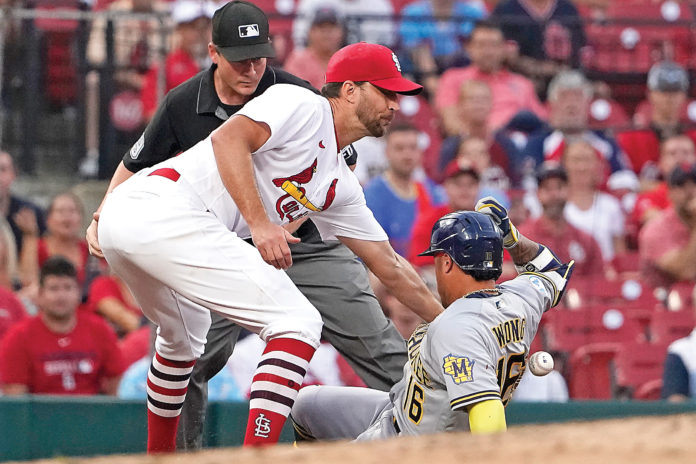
x=457, y=167
x=376, y=64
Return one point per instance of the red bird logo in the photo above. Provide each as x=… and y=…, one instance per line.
x=289, y=204
x=302, y=178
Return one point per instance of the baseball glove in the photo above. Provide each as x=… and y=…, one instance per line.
x=492, y=208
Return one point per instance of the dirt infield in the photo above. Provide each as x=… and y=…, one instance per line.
x=649, y=440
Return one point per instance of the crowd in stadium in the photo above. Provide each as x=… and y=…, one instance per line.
x=524, y=100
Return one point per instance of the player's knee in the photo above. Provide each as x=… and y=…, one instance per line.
x=301, y=410
x=180, y=348
x=305, y=326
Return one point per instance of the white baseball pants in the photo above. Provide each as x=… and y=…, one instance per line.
x=180, y=262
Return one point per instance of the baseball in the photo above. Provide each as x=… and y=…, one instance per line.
x=540, y=363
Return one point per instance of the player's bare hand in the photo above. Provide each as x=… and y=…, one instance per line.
x=294, y=225
x=25, y=219
x=272, y=242
x=93, y=238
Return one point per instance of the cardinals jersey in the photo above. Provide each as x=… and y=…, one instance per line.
x=298, y=171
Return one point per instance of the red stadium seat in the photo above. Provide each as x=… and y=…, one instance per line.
x=589, y=375
x=619, y=45
x=281, y=14
x=667, y=326
x=618, y=292
x=638, y=363
x=627, y=262
x=607, y=113
x=568, y=330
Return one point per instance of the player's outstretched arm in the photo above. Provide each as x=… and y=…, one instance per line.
x=120, y=175
x=233, y=144
x=397, y=275
x=487, y=417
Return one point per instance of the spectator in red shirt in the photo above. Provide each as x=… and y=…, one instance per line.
x=675, y=150
x=110, y=297
x=462, y=188
x=667, y=243
x=60, y=351
x=191, y=37
x=552, y=229
x=64, y=236
x=326, y=35
x=668, y=84
x=511, y=92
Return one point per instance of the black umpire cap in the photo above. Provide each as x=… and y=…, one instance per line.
x=240, y=32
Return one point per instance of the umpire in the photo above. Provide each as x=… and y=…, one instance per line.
x=328, y=274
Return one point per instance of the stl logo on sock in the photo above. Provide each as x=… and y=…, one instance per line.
x=263, y=426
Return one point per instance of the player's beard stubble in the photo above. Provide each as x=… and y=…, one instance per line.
x=374, y=124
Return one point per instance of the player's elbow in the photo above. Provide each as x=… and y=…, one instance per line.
x=487, y=417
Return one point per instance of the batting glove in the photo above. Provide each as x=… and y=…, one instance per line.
x=492, y=208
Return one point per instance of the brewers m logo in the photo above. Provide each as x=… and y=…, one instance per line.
x=288, y=206
x=460, y=368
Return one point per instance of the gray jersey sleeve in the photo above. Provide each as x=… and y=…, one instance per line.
x=541, y=289
x=458, y=347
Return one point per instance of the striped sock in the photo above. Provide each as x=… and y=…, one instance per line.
x=167, y=382
x=274, y=388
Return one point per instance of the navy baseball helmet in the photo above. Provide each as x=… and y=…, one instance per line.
x=472, y=240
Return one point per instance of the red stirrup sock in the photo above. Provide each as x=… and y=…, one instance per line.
x=274, y=388
x=167, y=382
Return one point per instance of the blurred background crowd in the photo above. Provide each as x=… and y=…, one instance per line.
x=580, y=116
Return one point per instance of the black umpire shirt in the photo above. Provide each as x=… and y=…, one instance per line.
x=173, y=129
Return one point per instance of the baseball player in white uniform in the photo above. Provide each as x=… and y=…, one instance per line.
x=175, y=233
x=464, y=366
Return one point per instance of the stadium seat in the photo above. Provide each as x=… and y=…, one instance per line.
x=607, y=113
x=568, y=330
x=281, y=14
x=603, y=291
x=628, y=262
x=637, y=363
x=667, y=326
x=60, y=64
x=589, y=371
x=658, y=32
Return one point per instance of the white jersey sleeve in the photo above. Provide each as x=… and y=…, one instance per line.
x=465, y=362
x=349, y=217
x=287, y=109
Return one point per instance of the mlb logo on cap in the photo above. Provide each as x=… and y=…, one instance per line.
x=249, y=30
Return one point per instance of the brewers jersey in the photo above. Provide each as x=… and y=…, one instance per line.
x=474, y=351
